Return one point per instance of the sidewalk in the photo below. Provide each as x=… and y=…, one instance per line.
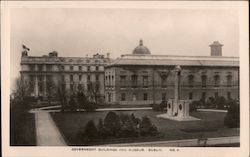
x=47, y=133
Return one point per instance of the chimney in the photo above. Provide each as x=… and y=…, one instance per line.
x=216, y=48
x=108, y=55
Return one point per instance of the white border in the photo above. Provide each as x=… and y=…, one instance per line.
x=241, y=6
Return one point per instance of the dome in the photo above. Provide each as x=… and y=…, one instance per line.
x=141, y=49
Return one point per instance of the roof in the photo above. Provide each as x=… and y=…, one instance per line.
x=141, y=49
x=159, y=60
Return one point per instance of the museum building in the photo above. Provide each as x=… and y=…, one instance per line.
x=144, y=78
x=45, y=74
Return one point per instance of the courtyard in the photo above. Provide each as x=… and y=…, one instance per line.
x=211, y=125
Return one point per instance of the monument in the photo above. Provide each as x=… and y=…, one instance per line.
x=177, y=109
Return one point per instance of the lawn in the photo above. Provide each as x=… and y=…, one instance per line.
x=23, y=132
x=210, y=125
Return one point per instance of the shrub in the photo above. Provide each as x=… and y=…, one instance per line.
x=101, y=130
x=210, y=102
x=90, y=106
x=112, y=124
x=72, y=104
x=90, y=131
x=220, y=102
x=128, y=125
x=147, y=128
x=232, y=118
x=194, y=105
x=159, y=107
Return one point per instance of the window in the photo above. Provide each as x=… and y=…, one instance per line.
x=96, y=68
x=88, y=77
x=71, y=67
x=216, y=80
x=97, y=86
x=80, y=68
x=63, y=87
x=123, y=81
x=134, y=81
x=112, y=81
x=216, y=94
x=40, y=87
x=87, y=61
x=203, y=80
x=163, y=96
x=63, y=78
x=88, y=68
x=97, y=77
x=145, y=81
x=80, y=77
x=32, y=82
x=40, y=67
x=48, y=67
x=40, y=78
x=191, y=80
x=190, y=95
x=71, y=78
x=123, y=97
x=71, y=87
x=203, y=96
x=134, y=97
x=109, y=80
x=228, y=95
x=229, y=80
x=145, y=96
x=164, y=81
x=32, y=67
x=62, y=68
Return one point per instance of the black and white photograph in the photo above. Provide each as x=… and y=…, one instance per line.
x=125, y=78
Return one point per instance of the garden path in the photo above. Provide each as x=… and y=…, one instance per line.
x=47, y=133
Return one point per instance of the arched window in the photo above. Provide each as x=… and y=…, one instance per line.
x=229, y=80
x=190, y=80
x=216, y=80
x=134, y=81
x=203, y=80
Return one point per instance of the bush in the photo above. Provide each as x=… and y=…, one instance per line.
x=194, y=105
x=101, y=130
x=112, y=124
x=232, y=118
x=159, y=107
x=220, y=102
x=147, y=128
x=129, y=125
x=90, y=106
x=72, y=104
x=90, y=131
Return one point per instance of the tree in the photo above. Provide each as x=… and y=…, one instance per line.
x=94, y=91
x=112, y=124
x=232, y=118
x=50, y=89
x=22, y=91
x=81, y=99
x=72, y=104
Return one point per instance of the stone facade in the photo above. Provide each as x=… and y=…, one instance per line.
x=70, y=73
x=147, y=79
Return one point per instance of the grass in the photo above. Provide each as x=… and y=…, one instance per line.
x=210, y=125
x=24, y=133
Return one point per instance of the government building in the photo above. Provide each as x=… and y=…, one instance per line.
x=46, y=74
x=139, y=78
x=144, y=78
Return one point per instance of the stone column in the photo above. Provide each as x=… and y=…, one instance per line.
x=177, y=82
x=36, y=87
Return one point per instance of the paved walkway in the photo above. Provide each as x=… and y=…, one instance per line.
x=182, y=143
x=47, y=133
x=212, y=110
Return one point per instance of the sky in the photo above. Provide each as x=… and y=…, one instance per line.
x=78, y=32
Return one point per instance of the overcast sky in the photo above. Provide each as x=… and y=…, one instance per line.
x=78, y=32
